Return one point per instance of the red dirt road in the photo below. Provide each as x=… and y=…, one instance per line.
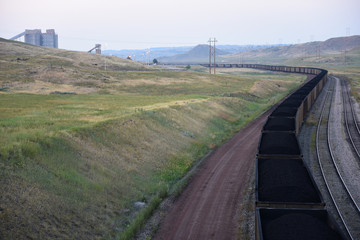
x=207, y=209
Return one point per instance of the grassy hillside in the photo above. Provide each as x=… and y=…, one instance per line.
x=306, y=51
x=34, y=69
x=72, y=166
x=341, y=56
x=341, y=64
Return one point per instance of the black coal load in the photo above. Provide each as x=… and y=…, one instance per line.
x=307, y=87
x=285, y=181
x=281, y=124
x=303, y=91
x=297, y=224
x=298, y=96
x=292, y=102
x=279, y=144
x=281, y=111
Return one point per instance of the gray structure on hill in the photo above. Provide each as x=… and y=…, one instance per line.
x=36, y=37
x=49, y=39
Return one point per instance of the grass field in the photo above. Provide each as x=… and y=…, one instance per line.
x=73, y=165
x=94, y=155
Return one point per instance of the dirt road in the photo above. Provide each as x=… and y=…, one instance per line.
x=207, y=209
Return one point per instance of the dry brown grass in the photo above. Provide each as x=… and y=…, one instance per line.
x=32, y=69
x=266, y=87
x=42, y=87
x=59, y=59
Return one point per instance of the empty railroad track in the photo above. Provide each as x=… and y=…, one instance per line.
x=343, y=199
x=350, y=119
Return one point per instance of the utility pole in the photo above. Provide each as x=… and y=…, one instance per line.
x=212, y=53
x=209, y=55
x=214, y=56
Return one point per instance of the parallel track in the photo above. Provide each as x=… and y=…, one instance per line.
x=348, y=210
x=350, y=118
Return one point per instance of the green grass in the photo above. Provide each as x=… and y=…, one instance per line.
x=143, y=215
x=27, y=118
x=72, y=166
x=78, y=162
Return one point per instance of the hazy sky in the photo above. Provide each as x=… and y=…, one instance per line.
x=134, y=24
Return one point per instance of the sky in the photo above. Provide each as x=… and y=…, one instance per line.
x=139, y=24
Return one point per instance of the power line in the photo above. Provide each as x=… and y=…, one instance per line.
x=212, y=54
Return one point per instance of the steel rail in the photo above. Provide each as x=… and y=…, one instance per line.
x=336, y=166
x=344, y=98
x=321, y=165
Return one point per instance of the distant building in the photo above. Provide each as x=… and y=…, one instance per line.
x=97, y=47
x=49, y=39
x=35, y=37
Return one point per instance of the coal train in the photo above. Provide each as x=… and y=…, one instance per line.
x=288, y=203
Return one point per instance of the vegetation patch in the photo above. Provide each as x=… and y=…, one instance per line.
x=72, y=166
x=96, y=169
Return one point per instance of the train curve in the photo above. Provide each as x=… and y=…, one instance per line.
x=289, y=204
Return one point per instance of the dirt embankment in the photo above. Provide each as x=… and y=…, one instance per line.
x=208, y=208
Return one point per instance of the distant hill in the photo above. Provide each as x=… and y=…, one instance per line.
x=202, y=50
x=243, y=48
x=62, y=58
x=341, y=43
x=199, y=54
x=161, y=52
x=45, y=70
x=330, y=46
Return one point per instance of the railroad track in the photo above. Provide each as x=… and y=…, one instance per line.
x=288, y=202
x=350, y=118
x=340, y=195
